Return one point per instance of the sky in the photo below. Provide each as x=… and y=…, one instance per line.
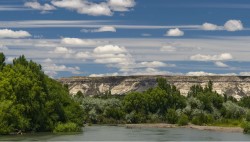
x=128, y=37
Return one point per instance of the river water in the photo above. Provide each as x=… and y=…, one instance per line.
x=115, y=133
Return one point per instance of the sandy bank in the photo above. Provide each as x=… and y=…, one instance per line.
x=164, y=125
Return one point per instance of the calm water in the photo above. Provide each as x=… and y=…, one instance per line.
x=113, y=133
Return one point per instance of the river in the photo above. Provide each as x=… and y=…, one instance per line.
x=115, y=133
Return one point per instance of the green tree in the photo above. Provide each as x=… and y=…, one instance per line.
x=31, y=101
x=2, y=61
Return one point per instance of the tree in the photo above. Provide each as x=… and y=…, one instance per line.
x=2, y=61
x=31, y=101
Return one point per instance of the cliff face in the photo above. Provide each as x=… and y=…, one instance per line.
x=236, y=86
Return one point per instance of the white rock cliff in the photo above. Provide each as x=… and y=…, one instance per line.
x=236, y=86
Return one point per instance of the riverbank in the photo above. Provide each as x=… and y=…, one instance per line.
x=164, y=125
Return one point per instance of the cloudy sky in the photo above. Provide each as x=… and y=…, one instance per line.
x=128, y=37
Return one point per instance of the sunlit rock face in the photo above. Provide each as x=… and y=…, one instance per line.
x=236, y=86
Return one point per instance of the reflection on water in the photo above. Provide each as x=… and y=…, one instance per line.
x=114, y=133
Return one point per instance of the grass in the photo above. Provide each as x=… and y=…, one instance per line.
x=227, y=123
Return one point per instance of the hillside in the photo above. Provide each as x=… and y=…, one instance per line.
x=236, y=86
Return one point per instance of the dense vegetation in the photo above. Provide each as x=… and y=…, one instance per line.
x=30, y=101
x=202, y=106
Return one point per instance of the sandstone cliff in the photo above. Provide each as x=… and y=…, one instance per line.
x=236, y=86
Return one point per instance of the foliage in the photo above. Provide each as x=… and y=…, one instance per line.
x=246, y=127
x=31, y=101
x=232, y=110
x=66, y=127
x=245, y=102
x=183, y=120
x=171, y=116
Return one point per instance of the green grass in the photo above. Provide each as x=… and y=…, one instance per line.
x=227, y=123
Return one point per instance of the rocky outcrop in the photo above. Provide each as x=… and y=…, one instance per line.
x=236, y=86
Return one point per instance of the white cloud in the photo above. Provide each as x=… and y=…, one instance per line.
x=101, y=29
x=168, y=48
x=77, y=41
x=84, y=7
x=209, y=27
x=106, y=29
x=154, y=64
x=6, y=33
x=174, y=32
x=109, y=49
x=233, y=25
x=3, y=47
x=221, y=57
x=51, y=68
x=121, y=5
x=202, y=73
x=37, y=6
x=67, y=53
x=101, y=75
x=10, y=59
x=82, y=55
x=112, y=55
x=220, y=64
x=96, y=9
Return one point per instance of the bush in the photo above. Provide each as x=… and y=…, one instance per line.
x=135, y=117
x=172, y=116
x=248, y=116
x=246, y=128
x=183, y=120
x=202, y=119
x=66, y=127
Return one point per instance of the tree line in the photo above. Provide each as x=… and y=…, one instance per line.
x=165, y=104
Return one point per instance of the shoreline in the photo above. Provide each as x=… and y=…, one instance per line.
x=207, y=128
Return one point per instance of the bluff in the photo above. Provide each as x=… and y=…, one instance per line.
x=236, y=86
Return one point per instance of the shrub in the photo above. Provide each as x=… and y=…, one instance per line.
x=246, y=128
x=248, y=116
x=172, y=116
x=66, y=127
x=202, y=118
x=183, y=120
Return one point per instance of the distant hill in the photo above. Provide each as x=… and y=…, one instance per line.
x=236, y=86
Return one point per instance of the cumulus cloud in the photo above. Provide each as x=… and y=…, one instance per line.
x=220, y=64
x=121, y=5
x=84, y=7
x=109, y=49
x=209, y=27
x=82, y=55
x=221, y=57
x=51, y=68
x=233, y=25
x=77, y=41
x=6, y=33
x=62, y=50
x=174, y=32
x=37, y=6
x=154, y=64
x=112, y=55
x=168, y=48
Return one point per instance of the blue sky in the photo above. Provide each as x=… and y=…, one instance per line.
x=128, y=37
